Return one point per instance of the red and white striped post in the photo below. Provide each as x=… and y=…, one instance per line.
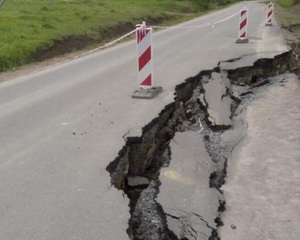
x=145, y=66
x=270, y=12
x=144, y=51
x=243, y=26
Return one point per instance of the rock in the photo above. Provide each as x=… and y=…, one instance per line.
x=233, y=226
x=138, y=181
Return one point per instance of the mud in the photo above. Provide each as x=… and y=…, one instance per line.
x=204, y=103
x=61, y=46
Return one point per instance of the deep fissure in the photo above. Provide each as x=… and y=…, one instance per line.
x=136, y=169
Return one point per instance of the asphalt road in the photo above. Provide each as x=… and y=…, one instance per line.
x=61, y=126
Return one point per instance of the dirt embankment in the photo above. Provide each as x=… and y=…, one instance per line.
x=73, y=43
x=289, y=19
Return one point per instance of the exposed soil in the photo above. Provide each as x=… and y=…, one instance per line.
x=289, y=19
x=62, y=46
x=74, y=42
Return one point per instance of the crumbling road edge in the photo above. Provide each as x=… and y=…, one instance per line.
x=136, y=169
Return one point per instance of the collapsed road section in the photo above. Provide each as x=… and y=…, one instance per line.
x=173, y=172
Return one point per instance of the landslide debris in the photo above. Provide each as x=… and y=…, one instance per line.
x=204, y=104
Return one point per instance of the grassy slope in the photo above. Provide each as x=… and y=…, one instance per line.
x=285, y=3
x=29, y=25
x=288, y=14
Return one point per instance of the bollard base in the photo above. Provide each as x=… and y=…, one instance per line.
x=147, y=93
x=269, y=24
x=245, y=40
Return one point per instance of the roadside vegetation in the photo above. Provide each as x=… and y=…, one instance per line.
x=33, y=30
x=288, y=12
x=288, y=15
x=285, y=3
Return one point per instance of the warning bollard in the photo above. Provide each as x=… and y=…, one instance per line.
x=144, y=50
x=243, y=25
x=145, y=67
x=270, y=11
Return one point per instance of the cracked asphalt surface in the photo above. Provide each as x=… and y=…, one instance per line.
x=61, y=126
x=185, y=184
x=173, y=172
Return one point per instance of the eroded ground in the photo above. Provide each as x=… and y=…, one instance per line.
x=289, y=20
x=173, y=173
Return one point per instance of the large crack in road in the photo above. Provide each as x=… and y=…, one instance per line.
x=173, y=172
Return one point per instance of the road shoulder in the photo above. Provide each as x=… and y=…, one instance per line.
x=262, y=190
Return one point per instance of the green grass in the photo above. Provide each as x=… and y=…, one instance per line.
x=288, y=15
x=30, y=25
x=285, y=3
